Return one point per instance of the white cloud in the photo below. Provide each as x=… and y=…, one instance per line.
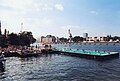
x=94, y=12
x=47, y=7
x=32, y=13
x=16, y=4
x=59, y=7
x=42, y=7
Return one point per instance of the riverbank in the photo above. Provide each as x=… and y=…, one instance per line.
x=25, y=51
x=19, y=51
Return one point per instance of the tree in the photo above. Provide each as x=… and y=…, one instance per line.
x=115, y=38
x=63, y=39
x=13, y=39
x=26, y=38
x=108, y=38
x=3, y=41
x=77, y=39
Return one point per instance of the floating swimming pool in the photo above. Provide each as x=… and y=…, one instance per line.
x=87, y=52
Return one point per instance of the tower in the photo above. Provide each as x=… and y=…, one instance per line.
x=70, y=35
x=5, y=32
x=0, y=28
x=21, y=27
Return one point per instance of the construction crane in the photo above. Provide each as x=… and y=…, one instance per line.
x=21, y=27
x=70, y=35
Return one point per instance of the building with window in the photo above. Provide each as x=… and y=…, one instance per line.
x=97, y=39
x=48, y=39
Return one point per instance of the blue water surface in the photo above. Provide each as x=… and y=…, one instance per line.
x=58, y=67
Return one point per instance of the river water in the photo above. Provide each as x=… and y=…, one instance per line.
x=58, y=67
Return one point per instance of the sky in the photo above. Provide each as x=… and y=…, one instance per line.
x=56, y=17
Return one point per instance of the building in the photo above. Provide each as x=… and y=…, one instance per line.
x=97, y=39
x=48, y=39
x=70, y=35
x=85, y=35
x=89, y=39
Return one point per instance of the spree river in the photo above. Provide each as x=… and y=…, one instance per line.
x=58, y=67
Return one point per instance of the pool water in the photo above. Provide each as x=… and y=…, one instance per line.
x=90, y=52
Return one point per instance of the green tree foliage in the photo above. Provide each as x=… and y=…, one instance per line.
x=108, y=38
x=115, y=38
x=24, y=39
x=77, y=39
x=3, y=41
x=63, y=39
x=13, y=39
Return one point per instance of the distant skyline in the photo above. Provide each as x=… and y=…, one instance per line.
x=55, y=17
